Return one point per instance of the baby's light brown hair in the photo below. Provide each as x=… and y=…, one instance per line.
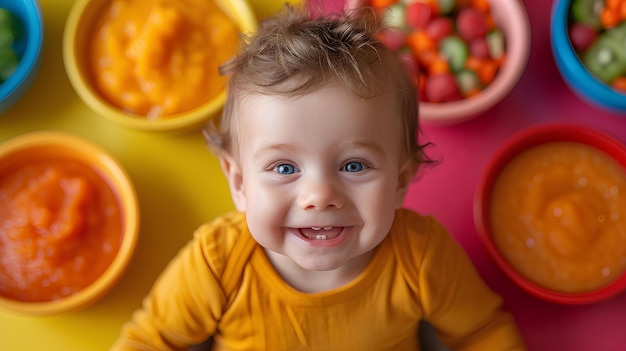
x=293, y=54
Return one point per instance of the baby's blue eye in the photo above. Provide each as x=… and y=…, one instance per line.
x=285, y=168
x=354, y=167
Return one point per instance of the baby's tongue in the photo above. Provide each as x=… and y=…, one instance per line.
x=320, y=234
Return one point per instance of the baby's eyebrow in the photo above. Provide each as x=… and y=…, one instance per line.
x=371, y=146
x=273, y=147
x=344, y=145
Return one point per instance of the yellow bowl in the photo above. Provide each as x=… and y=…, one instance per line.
x=48, y=145
x=79, y=32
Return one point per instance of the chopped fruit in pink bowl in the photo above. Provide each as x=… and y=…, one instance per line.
x=468, y=54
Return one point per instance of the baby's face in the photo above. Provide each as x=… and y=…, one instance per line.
x=319, y=174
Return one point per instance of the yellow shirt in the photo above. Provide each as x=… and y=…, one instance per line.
x=222, y=285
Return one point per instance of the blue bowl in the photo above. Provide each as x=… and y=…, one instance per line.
x=28, y=48
x=576, y=76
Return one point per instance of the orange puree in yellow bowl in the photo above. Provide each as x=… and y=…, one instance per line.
x=68, y=223
x=552, y=211
x=157, y=58
x=153, y=65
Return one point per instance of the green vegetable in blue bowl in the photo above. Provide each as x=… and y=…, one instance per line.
x=11, y=30
x=21, y=42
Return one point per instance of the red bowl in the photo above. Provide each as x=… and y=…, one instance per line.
x=517, y=143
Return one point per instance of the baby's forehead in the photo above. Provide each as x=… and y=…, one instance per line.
x=259, y=107
x=329, y=103
x=248, y=96
x=259, y=116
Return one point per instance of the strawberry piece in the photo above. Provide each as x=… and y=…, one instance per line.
x=479, y=48
x=393, y=38
x=582, y=36
x=418, y=14
x=442, y=88
x=440, y=27
x=471, y=24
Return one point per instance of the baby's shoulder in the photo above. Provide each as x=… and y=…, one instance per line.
x=413, y=227
x=417, y=239
x=222, y=238
x=225, y=229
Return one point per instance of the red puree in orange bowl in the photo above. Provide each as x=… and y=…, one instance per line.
x=60, y=228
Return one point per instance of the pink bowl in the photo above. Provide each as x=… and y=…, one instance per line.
x=517, y=143
x=511, y=17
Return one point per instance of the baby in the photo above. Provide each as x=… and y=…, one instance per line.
x=318, y=142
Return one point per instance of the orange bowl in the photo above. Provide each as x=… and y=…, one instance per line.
x=484, y=203
x=105, y=179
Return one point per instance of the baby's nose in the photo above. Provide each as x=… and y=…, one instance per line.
x=320, y=195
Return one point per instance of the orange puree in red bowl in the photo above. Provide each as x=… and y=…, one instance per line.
x=68, y=223
x=551, y=210
x=558, y=215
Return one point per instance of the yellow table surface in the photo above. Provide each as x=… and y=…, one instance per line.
x=177, y=179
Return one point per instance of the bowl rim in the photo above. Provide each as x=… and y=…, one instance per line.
x=191, y=119
x=572, y=69
x=511, y=147
x=518, y=52
x=29, y=63
x=121, y=184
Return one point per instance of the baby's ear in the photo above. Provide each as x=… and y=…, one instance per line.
x=235, y=180
x=408, y=170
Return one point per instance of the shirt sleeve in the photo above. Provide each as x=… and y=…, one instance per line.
x=185, y=302
x=466, y=313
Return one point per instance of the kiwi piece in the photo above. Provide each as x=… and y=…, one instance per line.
x=587, y=12
x=605, y=59
x=455, y=50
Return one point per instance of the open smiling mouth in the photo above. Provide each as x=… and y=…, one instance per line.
x=321, y=233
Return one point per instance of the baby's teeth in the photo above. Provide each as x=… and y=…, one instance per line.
x=320, y=237
x=320, y=228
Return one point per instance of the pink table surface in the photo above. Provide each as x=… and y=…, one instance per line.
x=447, y=191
